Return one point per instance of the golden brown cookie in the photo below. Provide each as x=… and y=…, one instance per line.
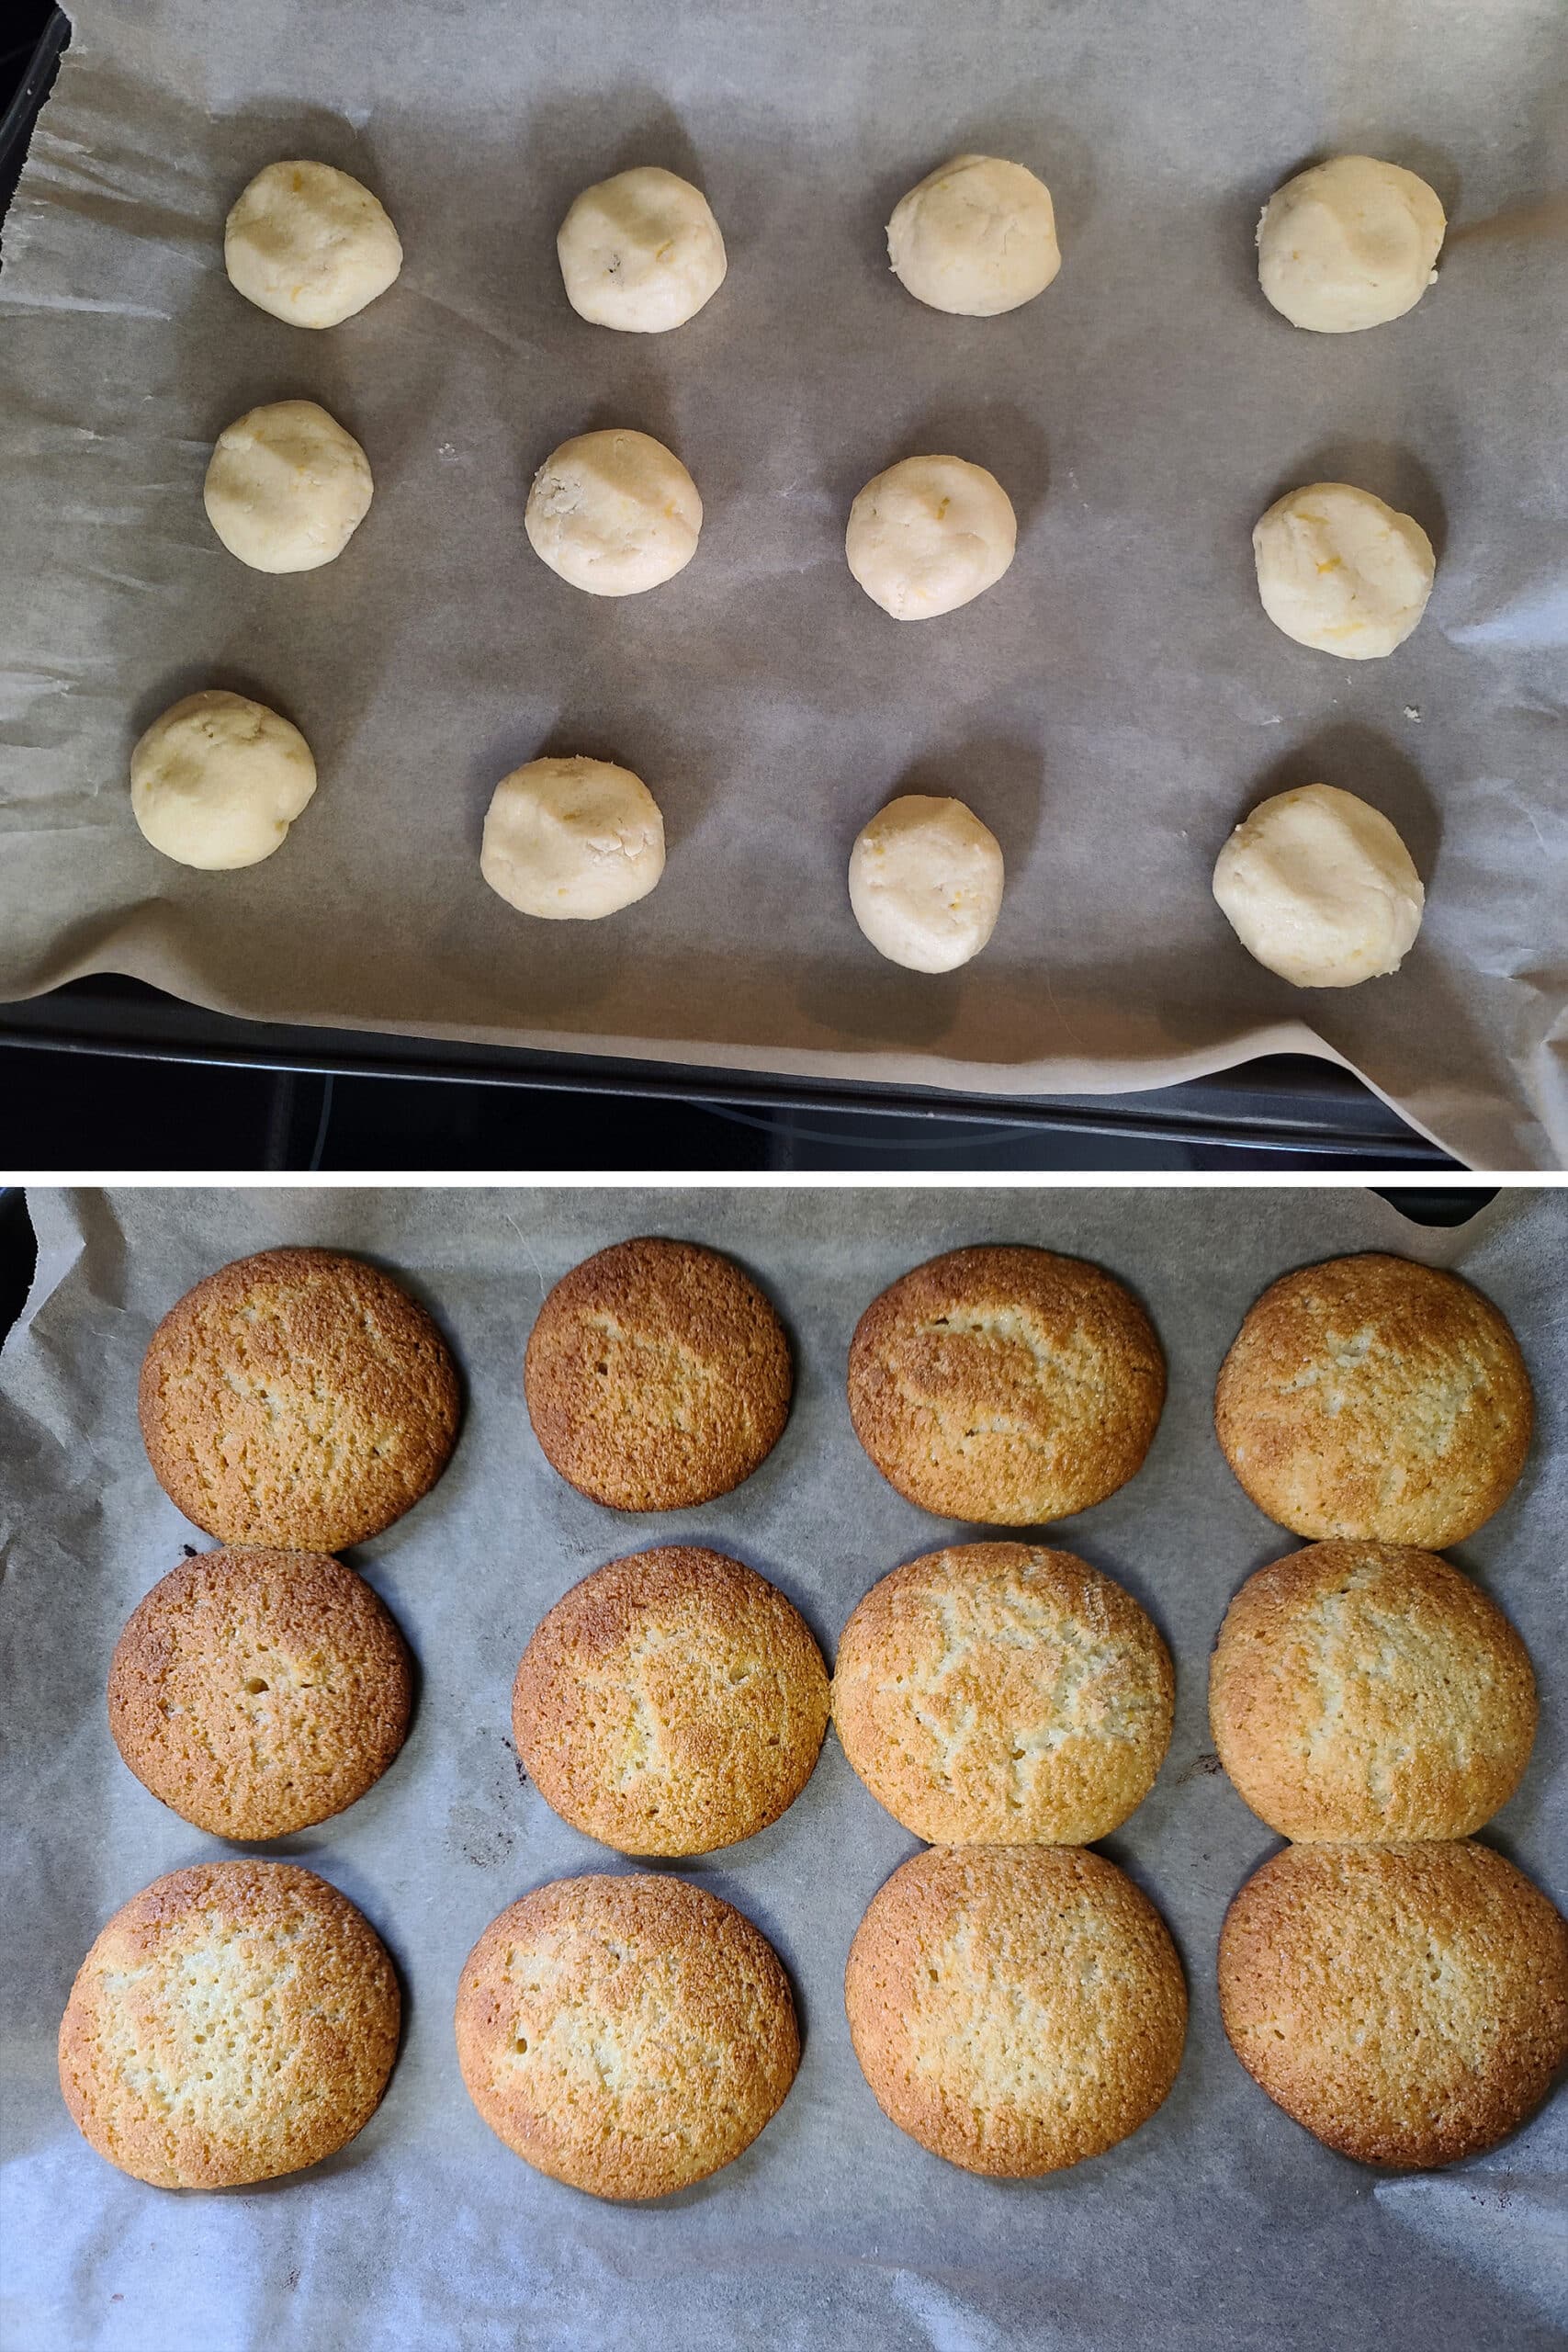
x=297, y=1399
x=1005, y=1385
x=258, y=1692
x=1000, y=1695
x=1369, y=1691
x=1373, y=1396
x=230, y=2023
x=670, y=1703
x=1015, y=2009
x=626, y=2035
x=1407, y=2003
x=657, y=1375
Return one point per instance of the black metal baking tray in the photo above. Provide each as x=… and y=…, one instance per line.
x=1280, y=1113
x=1284, y=1112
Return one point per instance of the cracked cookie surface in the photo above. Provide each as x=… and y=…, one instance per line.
x=259, y=1692
x=1005, y=1385
x=297, y=1399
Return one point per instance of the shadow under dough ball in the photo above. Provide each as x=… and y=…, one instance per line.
x=1369, y=1692
x=297, y=1399
x=1374, y=1397
x=671, y=1702
x=657, y=1375
x=232, y=2022
x=259, y=1692
x=627, y=2035
x=1015, y=2009
x=1002, y=1694
x=1408, y=2004
x=1005, y=1385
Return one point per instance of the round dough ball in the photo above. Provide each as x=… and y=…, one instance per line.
x=1320, y=887
x=309, y=243
x=926, y=883
x=977, y=237
x=614, y=513
x=1349, y=244
x=286, y=488
x=1369, y=1692
x=640, y=252
x=1340, y=572
x=929, y=534
x=1407, y=2003
x=572, y=840
x=1374, y=1398
x=1015, y=2009
x=218, y=780
x=1002, y=1694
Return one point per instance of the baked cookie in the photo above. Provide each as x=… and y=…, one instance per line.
x=1369, y=1691
x=1373, y=1396
x=1015, y=2009
x=1005, y=1385
x=626, y=2035
x=297, y=1399
x=232, y=2022
x=657, y=1375
x=1407, y=2003
x=670, y=1703
x=998, y=1694
x=258, y=1692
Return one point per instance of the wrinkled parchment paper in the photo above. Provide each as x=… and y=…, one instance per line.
x=1111, y=709
x=1219, y=2225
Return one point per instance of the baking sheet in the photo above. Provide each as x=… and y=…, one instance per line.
x=1111, y=709
x=1221, y=2224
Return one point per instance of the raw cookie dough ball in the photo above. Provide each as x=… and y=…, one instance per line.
x=640, y=252
x=926, y=883
x=929, y=534
x=309, y=243
x=1320, y=887
x=218, y=780
x=1339, y=570
x=1349, y=244
x=977, y=237
x=572, y=839
x=614, y=513
x=286, y=488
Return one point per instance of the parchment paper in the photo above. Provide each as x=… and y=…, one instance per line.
x=1111, y=709
x=1219, y=2225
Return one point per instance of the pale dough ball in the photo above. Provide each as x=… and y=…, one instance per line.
x=218, y=780
x=926, y=883
x=614, y=513
x=1349, y=244
x=572, y=839
x=929, y=534
x=286, y=488
x=309, y=243
x=640, y=252
x=1320, y=887
x=1339, y=570
x=977, y=237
